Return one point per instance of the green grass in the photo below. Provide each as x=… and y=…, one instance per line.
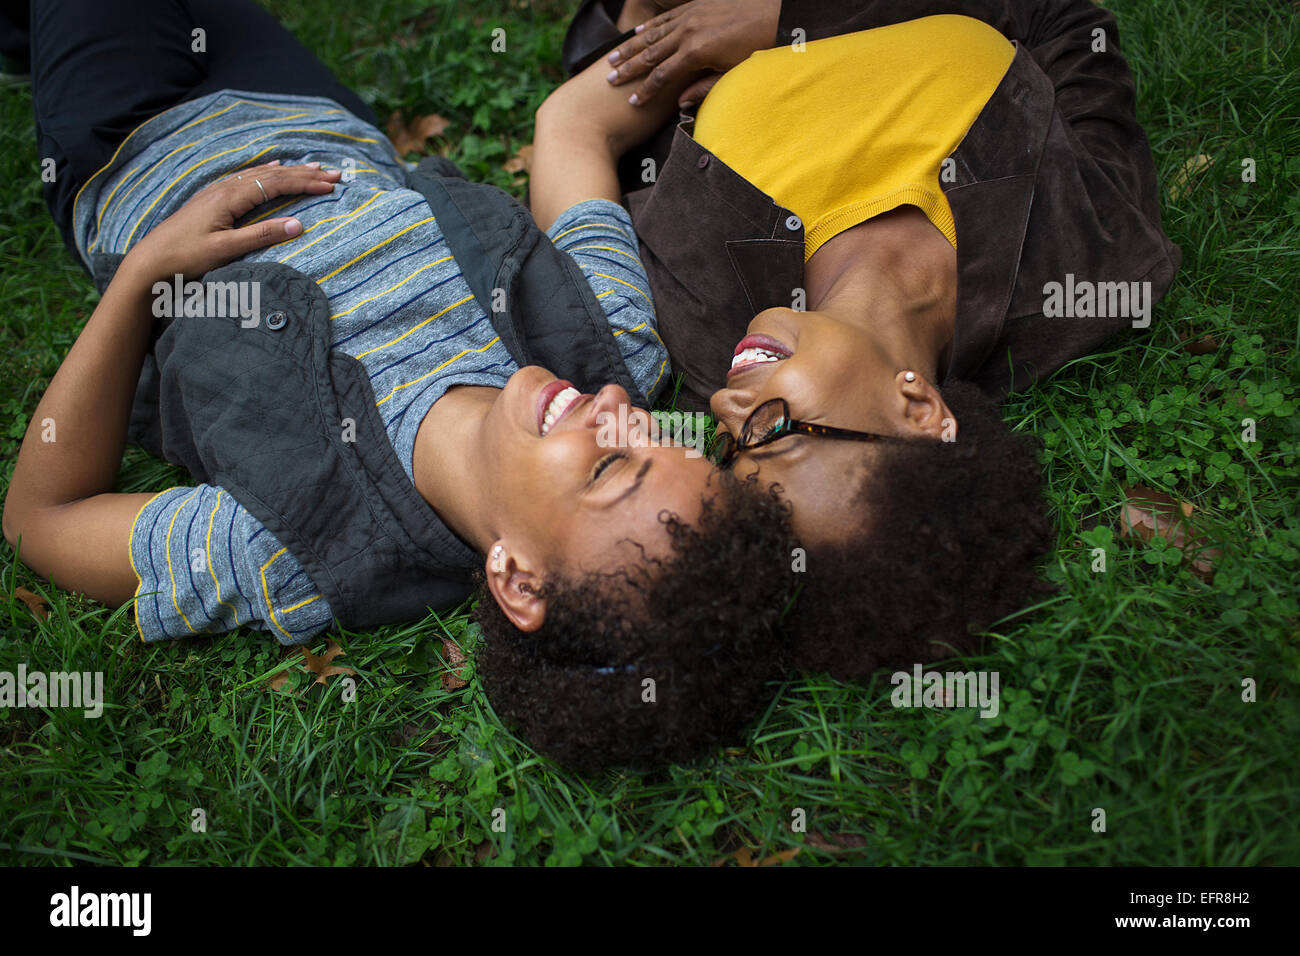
x=1123, y=692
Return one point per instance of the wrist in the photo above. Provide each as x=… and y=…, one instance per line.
x=141, y=269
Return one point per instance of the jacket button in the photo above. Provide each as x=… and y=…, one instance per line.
x=702, y=161
x=276, y=320
x=793, y=223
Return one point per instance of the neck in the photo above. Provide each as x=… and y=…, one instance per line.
x=896, y=276
x=451, y=473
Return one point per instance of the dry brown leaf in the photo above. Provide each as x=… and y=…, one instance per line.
x=1182, y=181
x=745, y=857
x=835, y=842
x=454, y=657
x=520, y=162
x=1199, y=346
x=1203, y=563
x=410, y=137
x=1148, y=513
x=278, y=681
x=320, y=664
x=35, y=603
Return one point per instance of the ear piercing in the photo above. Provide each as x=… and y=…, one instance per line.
x=498, y=558
x=909, y=376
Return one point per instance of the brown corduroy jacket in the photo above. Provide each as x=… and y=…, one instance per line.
x=1053, y=191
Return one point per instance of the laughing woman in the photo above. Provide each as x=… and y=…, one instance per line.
x=385, y=426
x=853, y=242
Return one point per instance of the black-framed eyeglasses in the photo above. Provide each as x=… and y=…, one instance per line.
x=771, y=421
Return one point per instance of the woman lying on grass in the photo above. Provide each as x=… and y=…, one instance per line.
x=859, y=241
x=361, y=396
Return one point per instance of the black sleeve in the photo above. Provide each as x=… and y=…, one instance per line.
x=592, y=34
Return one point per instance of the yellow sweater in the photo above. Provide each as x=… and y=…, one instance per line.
x=856, y=125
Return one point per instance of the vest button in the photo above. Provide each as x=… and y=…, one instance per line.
x=702, y=161
x=793, y=223
x=276, y=320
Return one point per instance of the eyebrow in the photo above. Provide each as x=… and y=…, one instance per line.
x=633, y=488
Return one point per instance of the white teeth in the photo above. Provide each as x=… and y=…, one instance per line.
x=559, y=405
x=755, y=356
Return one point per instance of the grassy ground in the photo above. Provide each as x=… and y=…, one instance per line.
x=1123, y=693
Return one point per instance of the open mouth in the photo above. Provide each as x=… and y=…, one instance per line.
x=757, y=350
x=554, y=402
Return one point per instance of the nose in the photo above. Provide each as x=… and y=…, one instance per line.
x=730, y=407
x=609, y=399
x=612, y=412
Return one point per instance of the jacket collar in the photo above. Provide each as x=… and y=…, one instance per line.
x=995, y=169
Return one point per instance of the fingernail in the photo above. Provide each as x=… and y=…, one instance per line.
x=686, y=105
x=633, y=100
x=274, y=162
x=314, y=165
x=613, y=57
x=611, y=76
x=639, y=29
x=292, y=227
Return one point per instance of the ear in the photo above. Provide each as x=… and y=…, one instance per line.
x=514, y=587
x=924, y=410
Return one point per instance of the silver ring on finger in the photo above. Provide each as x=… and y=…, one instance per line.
x=259, y=186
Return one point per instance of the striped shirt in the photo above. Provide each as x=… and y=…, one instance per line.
x=398, y=304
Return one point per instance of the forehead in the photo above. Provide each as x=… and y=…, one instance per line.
x=820, y=478
x=605, y=538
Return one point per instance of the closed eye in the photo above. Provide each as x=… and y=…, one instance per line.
x=604, y=464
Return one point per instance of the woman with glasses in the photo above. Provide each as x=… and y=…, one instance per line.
x=852, y=241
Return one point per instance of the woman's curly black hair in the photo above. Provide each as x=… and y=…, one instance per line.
x=701, y=623
x=945, y=540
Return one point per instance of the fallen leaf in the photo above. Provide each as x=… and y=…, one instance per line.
x=1199, y=346
x=35, y=603
x=785, y=856
x=410, y=137
x=320, y=664
x=278, y=681
x=745, y=857
x=835, y=842
x=1181, y=183
x=520, y=162
x=454, y=657
x=1148, y=513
